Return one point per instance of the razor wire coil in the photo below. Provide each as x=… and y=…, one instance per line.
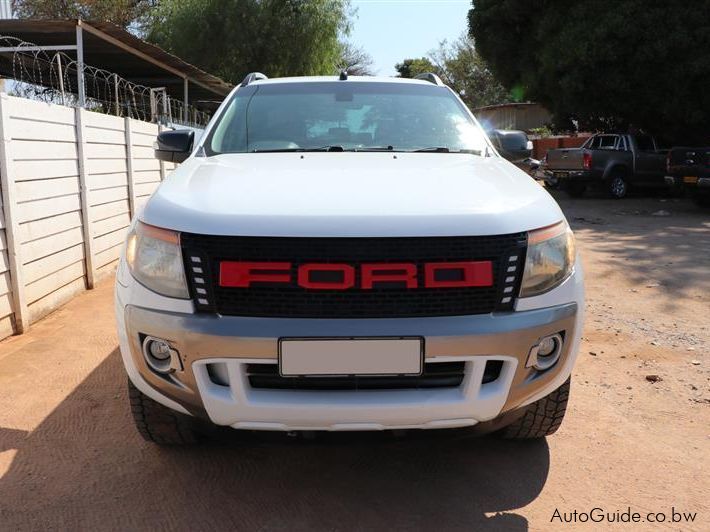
x=52, y=77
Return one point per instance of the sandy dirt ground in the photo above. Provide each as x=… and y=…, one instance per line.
x=71, y=459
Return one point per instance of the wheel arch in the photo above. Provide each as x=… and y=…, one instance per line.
x=615, y=167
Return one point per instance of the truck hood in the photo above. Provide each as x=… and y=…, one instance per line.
x=350, y=194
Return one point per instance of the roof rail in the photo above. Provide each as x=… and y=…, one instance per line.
x=430, y=77
x=254, y=76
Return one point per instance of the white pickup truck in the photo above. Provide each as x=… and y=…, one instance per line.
x=346, y=254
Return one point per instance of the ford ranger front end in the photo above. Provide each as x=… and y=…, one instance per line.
x=348, y=255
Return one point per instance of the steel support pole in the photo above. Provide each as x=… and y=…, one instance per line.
x=185, y=112
x=61, y=76
x=115, y=90
x=166, y=106
x=80, y=66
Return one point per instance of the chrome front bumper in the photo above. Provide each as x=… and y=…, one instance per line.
x=237, y=341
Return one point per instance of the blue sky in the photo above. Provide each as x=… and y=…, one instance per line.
x=392, y=30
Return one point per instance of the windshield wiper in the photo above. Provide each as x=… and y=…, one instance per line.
x=338, y=148
x=434, y=149
x=325, y=148
x=286, y=150
x=444, y=149
x=374, y=148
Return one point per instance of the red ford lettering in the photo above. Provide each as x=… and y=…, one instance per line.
x=405, y=273
x=345, y=276
x=477, y=273
x=243, y=274
x=329, y=276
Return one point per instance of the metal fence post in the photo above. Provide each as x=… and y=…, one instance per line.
x=12, y=225
x=185, y=107
x=162, y=163
x=61, y=76
x=80, y=66
x=129, y=168
x=84, y=196
x=153, y=107
x=115, y=89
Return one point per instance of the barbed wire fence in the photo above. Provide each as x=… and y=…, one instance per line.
x=52, y=77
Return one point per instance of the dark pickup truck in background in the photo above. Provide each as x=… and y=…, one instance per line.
x=688, y=169
x=614, y=162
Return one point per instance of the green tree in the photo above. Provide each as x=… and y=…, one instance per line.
x=606, y=64
x=121, y=12
x=460, y=66
x=234, y=37
x=412, y=67
x=464, y=70
x=356, y=60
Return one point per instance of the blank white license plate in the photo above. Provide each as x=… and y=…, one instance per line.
x=351, y=356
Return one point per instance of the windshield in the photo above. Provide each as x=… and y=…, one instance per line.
x=341, y=115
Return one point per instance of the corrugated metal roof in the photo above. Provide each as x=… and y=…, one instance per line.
x=114, y=49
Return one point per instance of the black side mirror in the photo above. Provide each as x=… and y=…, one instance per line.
x=174, y=146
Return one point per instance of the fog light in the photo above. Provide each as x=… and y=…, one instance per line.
x=546, y=353
x=160, y=356
x=159, y=349
x=547, y=346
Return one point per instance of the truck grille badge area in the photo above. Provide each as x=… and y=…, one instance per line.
x=370, y=277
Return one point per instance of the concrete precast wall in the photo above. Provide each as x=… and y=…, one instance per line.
x=71, y=180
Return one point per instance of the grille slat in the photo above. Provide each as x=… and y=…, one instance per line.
x=289, y=300
x=435, y=375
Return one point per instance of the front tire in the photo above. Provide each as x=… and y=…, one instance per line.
x=618, y=186
x=542, y=418
x=159, y=424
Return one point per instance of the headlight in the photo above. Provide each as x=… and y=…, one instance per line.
x=549, y=260
x=154, y=259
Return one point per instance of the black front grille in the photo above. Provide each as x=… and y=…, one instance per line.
x=203, y=254
x=435, y=375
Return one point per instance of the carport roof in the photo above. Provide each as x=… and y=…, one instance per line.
x=114, y=49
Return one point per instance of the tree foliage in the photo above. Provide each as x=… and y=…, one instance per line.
x=410, y=68
x=355, y=60
x=606, y=64
x=231, y=38
x=463, y=69
x=460, y=66
x=121, y=12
